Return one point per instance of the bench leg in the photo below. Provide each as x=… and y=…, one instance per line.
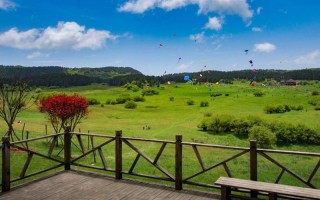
x=225, y=193
x=272, y=196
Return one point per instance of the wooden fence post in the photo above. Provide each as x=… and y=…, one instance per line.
x=253, y=165
x=67, y=149
x=118, y=155
x=6, y=164
x=178, y=176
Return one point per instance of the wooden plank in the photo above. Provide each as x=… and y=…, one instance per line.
x=314, y=172
x=134, y=163
x=270, y=187
x=227, y=169
x=216, y=165
x=81, y=144
x=26, y=165
x=53, y=143
x=73, y=185
x=148, y=159
x=195, y=149
x=103, y=159
x=159, y=153
x=288, y=170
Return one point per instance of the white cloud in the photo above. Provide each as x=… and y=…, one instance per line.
x=257, y=29
x=183, y=66
x=6, y=4
x=259, y=10
x=310, y=58
x=197, y=37
x=265, y=47
x=233, y=7
x=66, y=35
x=214, y=23
x=36, y=54
x=218, y=39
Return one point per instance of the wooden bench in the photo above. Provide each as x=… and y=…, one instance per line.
x=272, y=189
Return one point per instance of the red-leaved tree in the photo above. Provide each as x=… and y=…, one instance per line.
x=64, y=111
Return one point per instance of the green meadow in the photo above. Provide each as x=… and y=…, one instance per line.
x=167, y=118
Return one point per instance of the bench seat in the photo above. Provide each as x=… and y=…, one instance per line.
x=271, y=188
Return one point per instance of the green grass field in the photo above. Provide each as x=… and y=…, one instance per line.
x=169, y=118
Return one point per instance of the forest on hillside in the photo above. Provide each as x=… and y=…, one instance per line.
x=116, y=76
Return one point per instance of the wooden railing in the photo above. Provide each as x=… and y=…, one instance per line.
x=74, y=142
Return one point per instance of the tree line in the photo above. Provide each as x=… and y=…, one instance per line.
x=117, y=76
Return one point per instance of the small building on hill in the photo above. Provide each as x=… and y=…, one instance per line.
x=290, y=82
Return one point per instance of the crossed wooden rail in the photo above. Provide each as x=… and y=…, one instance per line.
x=67, y=160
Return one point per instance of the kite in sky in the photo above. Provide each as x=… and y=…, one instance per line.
x=179, y=60
x=251, y=62
x=160, y=45
x=186, y=78
x=246, y=51
x=254, y=70
x=174, y=35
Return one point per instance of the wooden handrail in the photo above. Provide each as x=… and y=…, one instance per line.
x=119, y=140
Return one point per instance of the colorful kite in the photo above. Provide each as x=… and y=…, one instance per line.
x=251, y=62
x=186, y=78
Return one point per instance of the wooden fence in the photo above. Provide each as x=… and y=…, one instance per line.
x=72, y=139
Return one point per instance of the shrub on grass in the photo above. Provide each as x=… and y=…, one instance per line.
x=171, y=98
x=190, y=102
x=111, y=102
x=264, y=137
x=204, y=104
x=38, y=90
x=258, y=94
x=241, y=127
x=313, y=102
x=149, y=92
x=139, y=98
x=120, y=100
x=317, y=107
x=269, y=109
x=315, y=93
x=131, y=105
x=93, y=101
x=297, y=108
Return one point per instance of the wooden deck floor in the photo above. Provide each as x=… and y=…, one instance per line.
x=80, y=186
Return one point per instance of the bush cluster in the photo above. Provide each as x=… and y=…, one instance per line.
x=171, y=98
x=315, y=103
x=258, y=94
x=149, y=92
x=93, y=101
x=270, y=109
x=216, y=95
x=125, y=98
x=204, y=104
x=130, y=105
x=190, y=102
x=315, y=93
x=244, y=127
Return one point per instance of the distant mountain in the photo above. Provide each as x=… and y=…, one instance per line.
x=104, y=73
x=116, y=76
x=61, y=76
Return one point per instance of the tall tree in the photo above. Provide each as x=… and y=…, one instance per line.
x=13, y=99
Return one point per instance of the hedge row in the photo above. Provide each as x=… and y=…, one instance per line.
x=285, y=133
x=270, y=109
x=125, y=98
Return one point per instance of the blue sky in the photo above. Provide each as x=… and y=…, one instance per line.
x=279, y=34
